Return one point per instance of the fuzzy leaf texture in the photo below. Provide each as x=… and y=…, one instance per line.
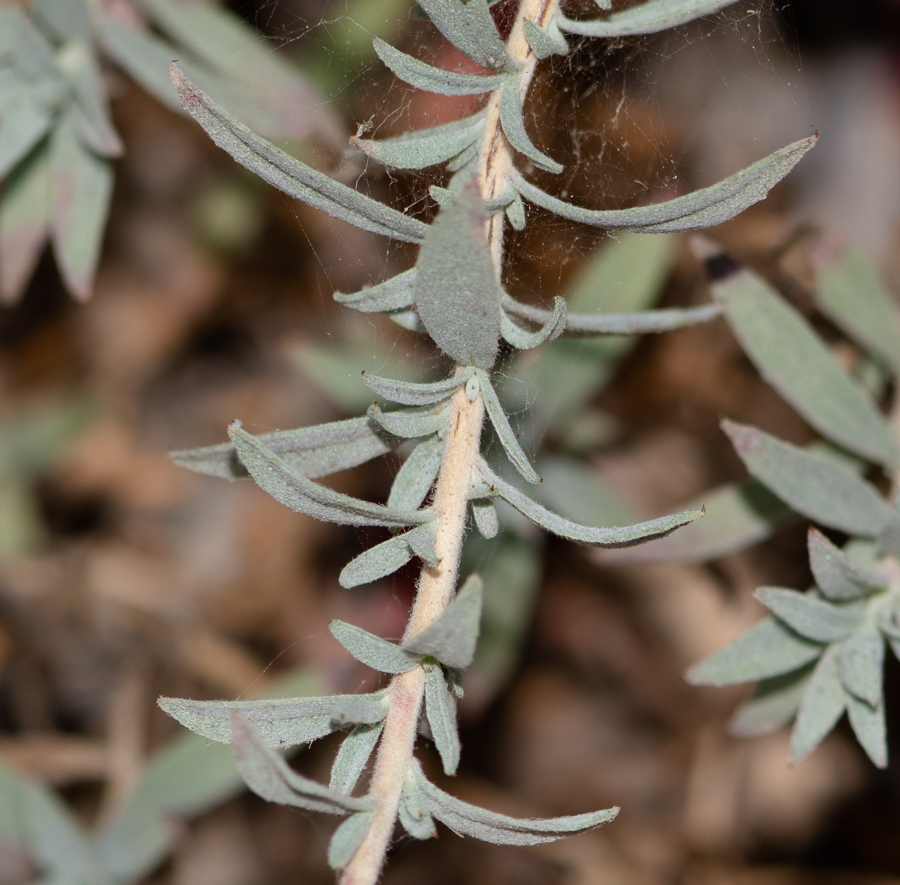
x=371, y=650
x=811, y=617
x=430, y=79
x=823, y=704
x=836, y=577
x=440, y=708
x=647, y=18
x=351, y=759
x=469, y=26
x=411, y=393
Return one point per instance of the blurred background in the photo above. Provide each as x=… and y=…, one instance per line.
x=124, y=577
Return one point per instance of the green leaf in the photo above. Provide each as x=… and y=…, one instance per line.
x=410, y=393
x=513, y=123
x=288, y=174
x=425, y=147
x=413, y=810
x=515, y=213
x=823, y=703
x=552, y=522
x=469, y=26
x=457, y=290
x=347, y=838
x=772, y=706
x=811, y=617
x=431, y=79
x=453, y=636
x=312, y=451
x=375, y=563
x=353, y=757
x=25, y=208
x=417, y=475
x=861, y=664
x=410, y=423
x=67, y=19
x=440, y=708
x=835, y=576
x=280, y=722
x=818, y=488
x=504, y=431
x=553, y=326
x=870, y=729
x=648, y=18
x=393, y=294
x=546, y=41
x=23, y=123
x=702, y=208
x=798, y=364
x=489, y=826
x=372, y=650
x=286, y=485
x=485, y=515
x=269, y=776
x=889, y=537
x=769, y=648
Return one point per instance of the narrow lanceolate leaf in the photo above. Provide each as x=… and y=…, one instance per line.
x=870, y=729
x=810, y=617
x=836, y=577
x=410, y=393
x=25, y=210
x=273, y=475
x=372, y=650
x=440, y=708
x=553, y=327
x=469, y=26
x=486, y=520
x=424, y=147
x=618, y=536
x=269, y=776
x=823, y=703
x=375, y=563
x=280, y=722
x=431, y=79
x=489, y=826
x=347, y=838
x=82, y=188
x=617, y=323
x=770, y=648
x=772, y=706
x=413, y=811
x=313, y=451
x=513, y=122
x=24, y=122
x=288, y=174
x=817, y=488
x=702, y=208
x=410, y=423
x=861, y=664
x=648, y=18
x=453, y=636
x=797, y=363
x=393, y=294
x=504, y=431
x=457, y=290
x=515, y=213
x=417, y=475
x=353, y=756
x=546, y=41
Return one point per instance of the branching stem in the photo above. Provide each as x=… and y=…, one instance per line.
x=461, y=448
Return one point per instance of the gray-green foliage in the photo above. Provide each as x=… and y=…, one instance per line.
x=57, y=138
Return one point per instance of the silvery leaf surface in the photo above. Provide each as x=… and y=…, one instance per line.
x=431, y=79
x=799, y=365
x=288, y=174
x=457, y=290
x=410, y=423
x=769, y=648
x=836, y=577
x=816, y=487
x=413, y=811
x=424, y=147
x=280, y=722
x=269, y=776
x=553, y=327
x=440, y=708
x=273, y=475
x=811, y=617
x=313, y=451
x=861, y=664
x=372, y=650
x=515, y=213
x=347, y=838
x=546, y=41
x=375, y=563
x=773, y=705
x=823, y=703
x=485, y=514
x=889, y=537
x=489, y=826
x=23, y=123
x=700, y=209
x=870, y=728
x=647, y=18
x=417, y=475
x=453, y=636
x=392, y=294
x=513, y=122
x=353, y=756
x=410, y=393
x=421, y=541
x=469, y=26
x=504, y=431
x=618, y=536
x=66, y=19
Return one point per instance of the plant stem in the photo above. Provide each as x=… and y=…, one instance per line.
x=461, y=449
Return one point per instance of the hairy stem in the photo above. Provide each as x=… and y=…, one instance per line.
x=461, y=449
